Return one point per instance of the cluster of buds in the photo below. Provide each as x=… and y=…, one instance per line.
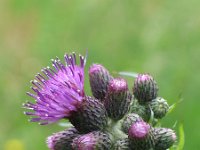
x=114, y=118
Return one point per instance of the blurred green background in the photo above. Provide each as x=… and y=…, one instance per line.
x=161, y=37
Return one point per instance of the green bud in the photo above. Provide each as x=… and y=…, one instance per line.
x=159, y=107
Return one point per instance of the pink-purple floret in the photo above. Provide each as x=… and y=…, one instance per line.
x=139, y=130
x=118, y=84
x=58, y=92
x=85, y=142
x=144, y=77
x=50, y=142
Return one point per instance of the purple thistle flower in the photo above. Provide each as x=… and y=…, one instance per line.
x=59, y=92
x=139, y=130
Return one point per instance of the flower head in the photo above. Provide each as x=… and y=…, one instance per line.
x=141, y=136
x=118, y=98
x=62, y=140
x=145, y=88
x=58, y=92
x=99, y=78
x=164, y=138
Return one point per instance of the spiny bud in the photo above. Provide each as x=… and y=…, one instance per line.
x=145, y=88
x=122, y=144
x=160, y=107
x=141, y=136
x=95, y=140
x=90, y=116
x=118, y=98
x=99, y=78
x=143, y=111
x=129, y=120
x=62, y=140
x=164, y=138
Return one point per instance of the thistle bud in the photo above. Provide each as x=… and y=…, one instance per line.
x=160, y=107
x=145, y=88
x=99, y=78
x=122, y=144
x=164, y=138
x=118, y=98
x=95, y=140
x=143, y=111
x=62, y=140
x=129, y=120
x=90, y=116
x=141, y=136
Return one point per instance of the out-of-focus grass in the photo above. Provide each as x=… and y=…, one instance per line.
x=159, y=37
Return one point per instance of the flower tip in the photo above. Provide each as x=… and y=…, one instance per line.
x=49, y=142
x=118, y=84
x=174, y=137
x=139, y=129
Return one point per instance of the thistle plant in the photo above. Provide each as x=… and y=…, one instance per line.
x=113, y=118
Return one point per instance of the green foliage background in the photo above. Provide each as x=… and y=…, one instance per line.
x=161, y=37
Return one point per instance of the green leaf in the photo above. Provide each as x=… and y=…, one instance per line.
x=66, y=124
x=129, y=74
x=172, y=107
x=181, y=138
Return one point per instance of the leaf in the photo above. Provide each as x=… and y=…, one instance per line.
x=129, y=74
x=65, y=124
x=181, y=138
x=172, y=107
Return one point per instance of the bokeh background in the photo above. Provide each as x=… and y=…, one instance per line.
x=161, y=37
